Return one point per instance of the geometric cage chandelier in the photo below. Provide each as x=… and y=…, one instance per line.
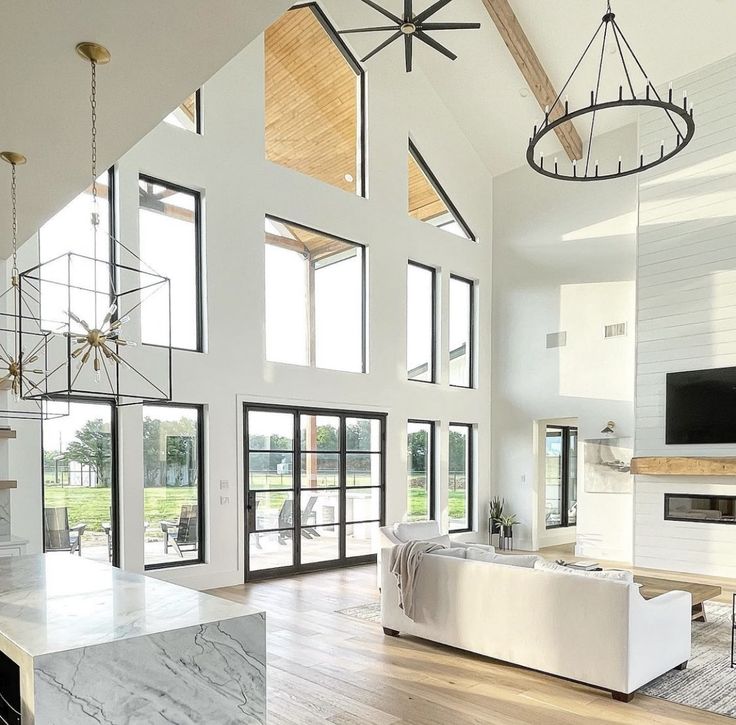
x=109, y=311
x=632, y=73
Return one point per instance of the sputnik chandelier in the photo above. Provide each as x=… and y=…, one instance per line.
x=411, y=26
x=21, y=370
x=559, y=113
x=99, y=298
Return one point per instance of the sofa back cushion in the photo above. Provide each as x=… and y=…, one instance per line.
x=417, y=530
x=524, y=560
x=615, y=575
x=455, y=553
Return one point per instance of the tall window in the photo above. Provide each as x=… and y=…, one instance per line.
x=561, y=476
x=169, y=228
x=461, y=484
x=70, y=231
x=421, y=322
x=315, y=298
x=428, y=201
x=314, y=100
x=329, y=468
x=187, y=115
x=462, y=323
x=420, y=470
x=173, y=490
x=80, y=482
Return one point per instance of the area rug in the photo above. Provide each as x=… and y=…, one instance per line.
x=365, y=612
x=708, y=683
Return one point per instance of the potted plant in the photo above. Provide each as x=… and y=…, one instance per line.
x=494, y=514
x=507, y=525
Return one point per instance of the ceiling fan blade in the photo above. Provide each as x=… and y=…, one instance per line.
x=432, y=43
x=431, y=10
x=407, y=11
x=365, y=30
x=449, y=26
x=408, y=52
x=395, y=36
x=384, y=12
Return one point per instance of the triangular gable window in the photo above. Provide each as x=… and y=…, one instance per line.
x=428, y=201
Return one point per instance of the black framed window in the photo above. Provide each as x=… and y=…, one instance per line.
x=328, y=467
x=80, y=481
x=421, y=323
x=561, y=476
x=420, y=473
x=461, y=482
x=428, y=201
x=315, y=298
x=188, y=114
x=169, y=223
x=315, y=100
x=173, y=485
x=462, y=332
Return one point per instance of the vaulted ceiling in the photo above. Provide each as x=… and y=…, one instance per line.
x=161, y=52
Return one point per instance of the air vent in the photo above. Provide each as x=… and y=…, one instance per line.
x=556, y=339
x=616, y=330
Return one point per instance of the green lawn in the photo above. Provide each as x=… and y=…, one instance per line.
x=418, y=504
x=91, y=506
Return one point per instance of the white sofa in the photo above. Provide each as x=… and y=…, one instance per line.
x=592, y=630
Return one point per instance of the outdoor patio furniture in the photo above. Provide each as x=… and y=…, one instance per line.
x=183, y=534
x=286, y=519
x=58, y=535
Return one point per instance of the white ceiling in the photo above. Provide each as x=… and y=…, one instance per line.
x=483, y=87
x=161, y=52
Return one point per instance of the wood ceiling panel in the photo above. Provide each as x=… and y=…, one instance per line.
x=424, y=201
x=312, y=101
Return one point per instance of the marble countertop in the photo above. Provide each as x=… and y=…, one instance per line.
x=58, y=602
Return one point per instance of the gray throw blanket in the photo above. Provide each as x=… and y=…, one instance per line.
x=404, y=565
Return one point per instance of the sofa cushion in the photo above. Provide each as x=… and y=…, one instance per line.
x=614, y=575
x=523, y=560
x=466, y=545
x=455, y=553
x=443, y=540
x=417, y=530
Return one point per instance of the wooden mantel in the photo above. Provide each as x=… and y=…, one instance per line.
x=683, y=466
x=5, y=485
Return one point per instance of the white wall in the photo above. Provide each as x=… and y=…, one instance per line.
x=686, y=311
x=564, y=257
x=239, y=187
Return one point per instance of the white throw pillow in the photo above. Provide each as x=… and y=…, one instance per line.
x=443, y=540
x=614, y=574
x=478, y=547
x=455, y=553
x=524, y=560
x=417, y=530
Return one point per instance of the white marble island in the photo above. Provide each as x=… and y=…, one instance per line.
x=98, y=645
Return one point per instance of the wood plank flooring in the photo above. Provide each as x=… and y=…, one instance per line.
x=326, y=668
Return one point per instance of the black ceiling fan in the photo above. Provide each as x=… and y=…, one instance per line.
x=412, y=26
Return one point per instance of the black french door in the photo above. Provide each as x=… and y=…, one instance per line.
x=315, y=483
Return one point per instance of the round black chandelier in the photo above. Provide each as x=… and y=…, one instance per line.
x=559, y=113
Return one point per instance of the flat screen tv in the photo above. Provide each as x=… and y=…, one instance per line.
x=701, y=407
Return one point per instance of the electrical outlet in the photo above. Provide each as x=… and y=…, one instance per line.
x=224, y=500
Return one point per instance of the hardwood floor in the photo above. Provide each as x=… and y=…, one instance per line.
x=326, y=668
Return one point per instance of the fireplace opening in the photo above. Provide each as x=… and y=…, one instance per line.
x=704, y=509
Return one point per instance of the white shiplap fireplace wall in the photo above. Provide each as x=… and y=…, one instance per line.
x=686, y=311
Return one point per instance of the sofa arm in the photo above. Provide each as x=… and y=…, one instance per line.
x=659, y=635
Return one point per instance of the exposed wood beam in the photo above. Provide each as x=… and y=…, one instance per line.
x=533, y=71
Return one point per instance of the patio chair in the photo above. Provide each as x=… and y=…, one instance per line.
x=183, y=534
x=58, y=535
x=286, y=519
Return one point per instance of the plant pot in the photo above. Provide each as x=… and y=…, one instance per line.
x=508, y=532
x=495, y=527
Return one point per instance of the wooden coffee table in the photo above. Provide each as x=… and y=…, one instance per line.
x=653, y=586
